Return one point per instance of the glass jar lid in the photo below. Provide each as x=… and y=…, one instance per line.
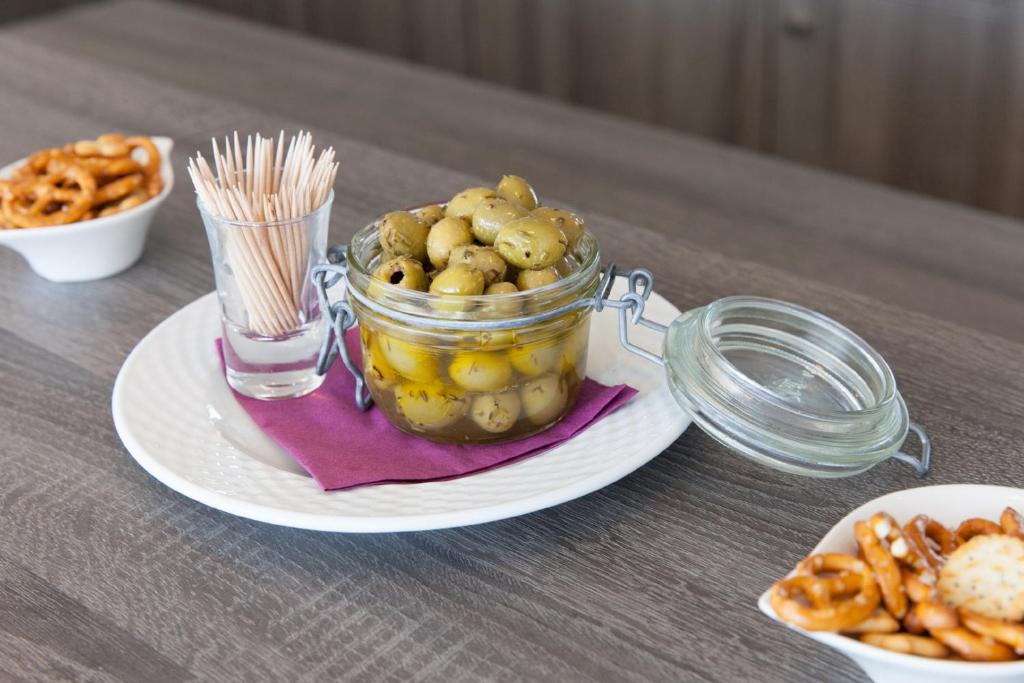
x=787, y=387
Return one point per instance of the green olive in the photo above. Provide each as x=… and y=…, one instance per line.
x=505, y=308
x=544, y=398
x=515, y=189
x=405, y=272
x=446, y=234
x=574, y=349
x=501, y=288
x=453, y=283
x=532, y=279
x=402, y=234
x=530, y=243
x=485, y=259
x=494, y=339
x=533, y=359
x=491, y=215
x=430, y=406
x=496, y=413
x=571, y=225
x=480, y=370
x=464, y=203
x=429, y=214
x=409, y=360
x=376, y=368
x=458, y=279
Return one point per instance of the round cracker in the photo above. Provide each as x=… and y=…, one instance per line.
x=986, y=575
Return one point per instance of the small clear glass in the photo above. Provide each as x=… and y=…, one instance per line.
x=270, y=314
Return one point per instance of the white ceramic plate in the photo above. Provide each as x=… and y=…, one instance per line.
x=178, y=419
x=950, y=504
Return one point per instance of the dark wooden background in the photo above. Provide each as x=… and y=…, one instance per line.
x=926, y=95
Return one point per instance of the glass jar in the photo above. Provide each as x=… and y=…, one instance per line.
x=773, y=381
x=472, y=369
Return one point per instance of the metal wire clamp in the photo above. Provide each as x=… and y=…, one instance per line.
x=341, y=319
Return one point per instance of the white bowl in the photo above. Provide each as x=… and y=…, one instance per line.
x=950, y=505
x=94, y=249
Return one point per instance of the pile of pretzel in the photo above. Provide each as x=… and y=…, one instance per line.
x=919, y=589
x=81, y=181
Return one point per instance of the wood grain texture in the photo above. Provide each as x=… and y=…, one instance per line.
x=920, y=94
x=107, y=575
x=877, y=242
x=12, y=10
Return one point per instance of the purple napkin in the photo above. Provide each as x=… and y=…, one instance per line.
x=342, y=447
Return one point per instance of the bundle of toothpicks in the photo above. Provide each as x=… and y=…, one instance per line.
x=262, y=192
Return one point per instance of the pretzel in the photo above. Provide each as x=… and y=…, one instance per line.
x=152, y=166
x=842, y=582
x=920, y=586
x=1007, y=632
x=912, y=623
x=971, y=646
x=39, y=162
x=936, y=593
x=104, y=169
x=53, y=186
x=922, y=532
x=887, y=572
x=880, y=621
x=118, y=189
x=128, y=202
x=32, y=204
x=154, y=185
x=921, y=646
x=823, y=613
x=933, y=615
x=976, y=526
x=108, y=145
x=886, y=528
x=1012, y=523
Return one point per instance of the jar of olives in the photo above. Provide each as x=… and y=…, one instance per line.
x=461, y=354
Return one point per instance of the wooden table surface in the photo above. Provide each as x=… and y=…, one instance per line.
x=105, y=574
